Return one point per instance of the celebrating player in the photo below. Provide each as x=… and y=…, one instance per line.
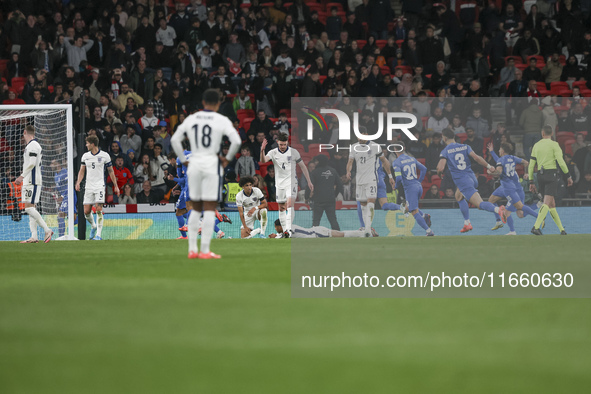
x=366, y=154
x=32, y=184
x=93, y=163
x=405, y=171
x=547, y=153
x=457, y=156
x=316, y=232
x=181, y=203
x=205, y=131
x=252, y=200
x=284, y=160
x=510, y=186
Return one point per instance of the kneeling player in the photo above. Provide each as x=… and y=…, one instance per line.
x=252, y=200
x=317, y=232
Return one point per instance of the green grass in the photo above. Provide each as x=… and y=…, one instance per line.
x=138, y=317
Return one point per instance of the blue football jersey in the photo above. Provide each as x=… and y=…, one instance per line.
x=509, y=177
x=458, y=159
x=61, y=182
x=406, y=169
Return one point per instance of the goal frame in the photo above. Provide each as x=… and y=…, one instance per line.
x=69, y=154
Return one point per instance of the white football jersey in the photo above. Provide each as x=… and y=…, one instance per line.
x=95, y=169
x=32, y=164
x=247, y=202
x=205, y=131
x=366, y=158
x=285, y=166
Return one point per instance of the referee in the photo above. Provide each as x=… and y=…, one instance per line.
x=547, y=154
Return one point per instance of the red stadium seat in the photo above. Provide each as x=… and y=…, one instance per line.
x=421, y=160
x=568, y=147
x=521, y=66
x=330, y=5
x=516, y=58
x=18, y=87
x=405, y=69
x=565, y=93
x=385, y=70
x=246, y=123
x=245, y=113
x=18, y=80
x=462, y=136
x=381, y=43
x=264, y=167
x=361, y=43
x=580, y=84
x=557, y=87
x=436, y=180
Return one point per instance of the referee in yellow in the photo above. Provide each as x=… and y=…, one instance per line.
x=548, y=155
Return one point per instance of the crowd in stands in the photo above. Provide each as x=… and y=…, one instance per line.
x=143, y=65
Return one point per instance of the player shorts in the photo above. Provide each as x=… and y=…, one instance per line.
x=382, y=191
x=181, y=203
x=94, y=196
x=413, y=195
x=366, y=192
x=548, y=182
x=250, y=219
x=314, y=232
x=512, y=195
x=31, y=194
x=282, y=193
x=204, y=186
x=467, y=185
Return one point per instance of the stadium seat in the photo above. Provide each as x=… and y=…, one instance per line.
x=245, y=113
x=245, y=5
x=462, y=136
x=264, y=167
x=18, y=87
x=18, y=80
x=246, y=123
x=556, y=87
x=381, y=43
x=287, y=5
x=516, y=58
x=436, y=180
x=421, y=160
x=405, y=69
x=322, y=78
x=521, y=66
x=270, y=4
x=385, y=70
x=565, y=93
x=580, y=84
x=586, y=92
x=361, y=43
x=568, y=146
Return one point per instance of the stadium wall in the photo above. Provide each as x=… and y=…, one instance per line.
x=152, y=223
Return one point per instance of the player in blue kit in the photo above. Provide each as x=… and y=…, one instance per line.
x=510, y=188
x=405, y=170
x=61, y=197
x=181, y=203
x=457, y=156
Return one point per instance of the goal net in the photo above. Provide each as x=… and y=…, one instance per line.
x=54, y=132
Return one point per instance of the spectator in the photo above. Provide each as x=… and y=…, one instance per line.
x=162, y=137
x=477, y=145
x=128, y=196
x=166, y=34
x=130, y=140
x=180, y=21
x=456, y=125
x=553, y=69
x=579, y=142
x=431, y=50
x=77, y=52
x=584, y=187
x=531, y=121
x=147, y=196
x=548, y=113
x=449, y=194
x=432, y=193
x=261, y=123
x=270, y=182
x=437, y=122
x=380, y=13
x=527, y=45
x=245, y=165
x=149, y=120
x=157, y=104
x=334, y=24
x=433, y=151
x=478, y=124
x=241, y=101
x=282, y=124
x=126, y=93
x=234, y=50
x=142, y=81
x=123, y=176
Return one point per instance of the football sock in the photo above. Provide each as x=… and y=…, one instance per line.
x=207, y=230
x=360, y=214
x=193, y=225
x=366, y=216
x=510, y=223
x=465, y=209
x=421, y=213
x=288, y=219
x=541, y=215
x=528, y=211
x=487, y=206
x=371, y=207
x=33, y=213
x=61, y=224
x=556, y=218
x=390, y=206
x=32, y=224
x=421, y=221
x=263, y=213
x=354, y=234
x=90, y=219
x=181, y=222
x=254, y=232
x=216, y=229
x=283, y=220
x=497, y=215
x=99, y=221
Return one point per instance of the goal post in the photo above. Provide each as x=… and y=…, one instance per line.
x=54, y=130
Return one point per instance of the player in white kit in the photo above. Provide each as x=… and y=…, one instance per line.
x=284, y=160
x=366, y=154
x=32, y=183
x=316, y=232
x=252, y=206
x=93, y=163
x=205, y=131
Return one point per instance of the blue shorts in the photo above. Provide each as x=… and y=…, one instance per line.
x=382, y=188
x=181, y=203
x=64, y=205
x=467, y=185
x=512, y=195
x=413, y=195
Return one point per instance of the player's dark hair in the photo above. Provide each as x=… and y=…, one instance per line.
x=448, y=134
x=93, y=139
x=246, y=179
x=211, y=97
x=283, y=137
x=277, y=222
x=30, y=130
x=507, y=147
x=547, y=129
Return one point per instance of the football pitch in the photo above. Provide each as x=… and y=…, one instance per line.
x=139, y=317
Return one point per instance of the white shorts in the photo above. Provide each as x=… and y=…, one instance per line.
x=204, y=186
x=31, y=194
x=365, y=192
x=314, y=232
x=250, y=219
x=94, y=196
x=282, y=194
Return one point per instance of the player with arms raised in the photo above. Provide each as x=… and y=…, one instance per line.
x=252, y=206
x=457, y=156
x=205, y=131
x=405, y=169
x=284, y=159
x=366, y=154
x=93, y=163
x=32, y=183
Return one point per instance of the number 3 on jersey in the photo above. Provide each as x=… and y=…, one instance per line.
x=461, y=162
x=205, y=137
